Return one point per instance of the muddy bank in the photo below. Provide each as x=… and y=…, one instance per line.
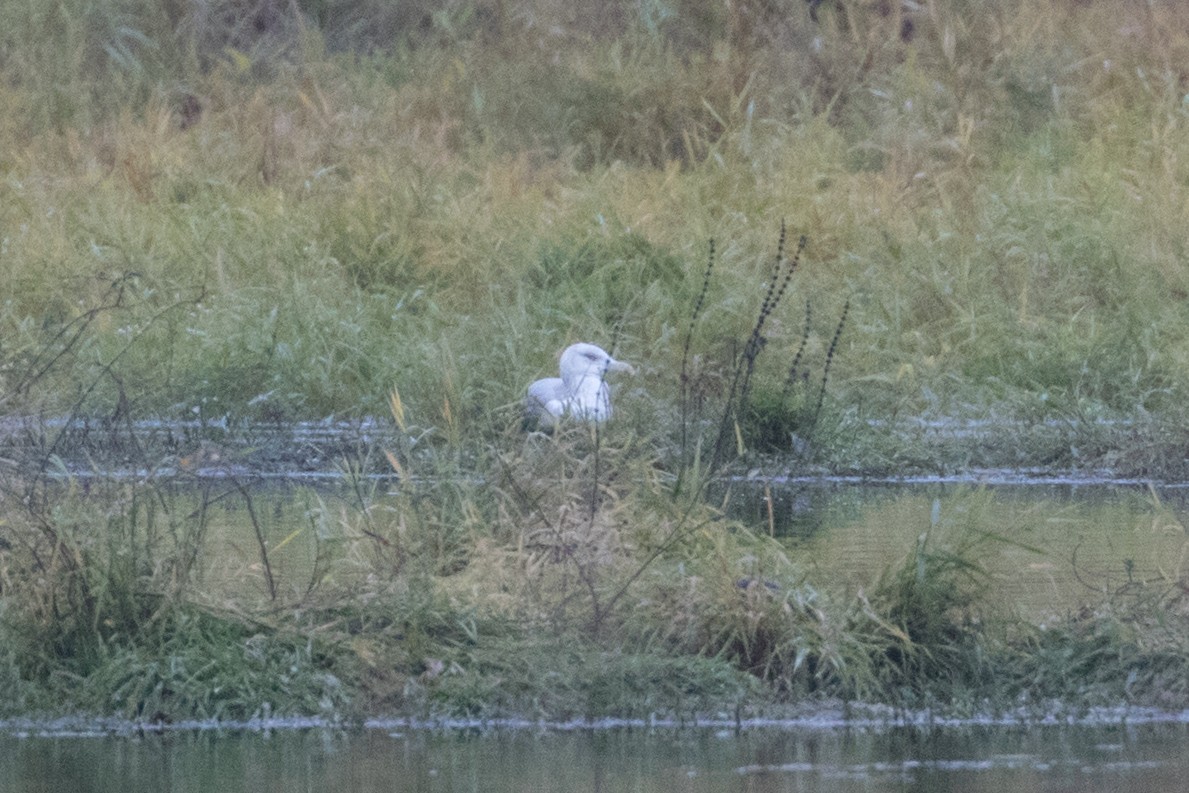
x=298, y=450
x=814, y=717
x=914, y=450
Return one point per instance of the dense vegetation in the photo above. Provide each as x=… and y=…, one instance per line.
x=251, y=211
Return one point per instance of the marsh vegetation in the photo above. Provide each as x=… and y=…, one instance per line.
x=815, y=228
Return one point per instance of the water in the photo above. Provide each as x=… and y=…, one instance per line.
x=1150, y=757
x=1049, y=548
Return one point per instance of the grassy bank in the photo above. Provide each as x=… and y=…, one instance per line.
x=276, y=216
x=287, y=223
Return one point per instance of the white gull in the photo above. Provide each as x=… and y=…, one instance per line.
x=580, y=392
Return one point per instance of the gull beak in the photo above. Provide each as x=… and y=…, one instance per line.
x=620, y=366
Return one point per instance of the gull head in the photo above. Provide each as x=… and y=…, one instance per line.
x=583, y=364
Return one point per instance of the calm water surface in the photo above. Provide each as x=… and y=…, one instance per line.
x=1147, y=758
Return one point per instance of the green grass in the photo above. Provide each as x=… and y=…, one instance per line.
x=286, y=218
x=1000, y=210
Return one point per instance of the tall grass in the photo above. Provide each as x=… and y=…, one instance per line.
x=279, y=211
x=349, y=218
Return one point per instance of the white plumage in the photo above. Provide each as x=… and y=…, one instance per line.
x=580, y=392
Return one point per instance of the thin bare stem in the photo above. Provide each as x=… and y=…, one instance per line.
x=261, y=542
x=689, y=335
x=821, y=394
x=795, y=366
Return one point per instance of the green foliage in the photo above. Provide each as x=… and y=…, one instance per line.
x=201, y=666
x=928, y=609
